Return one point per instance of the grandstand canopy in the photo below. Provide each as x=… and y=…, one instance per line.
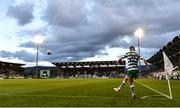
x=9, y=64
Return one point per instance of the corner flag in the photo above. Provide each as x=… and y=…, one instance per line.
x=168, y=68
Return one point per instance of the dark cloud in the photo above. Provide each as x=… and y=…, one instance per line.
x=22, y=12
x=68, y=13
x=22, y=55
x=80, y=28
x=29, y=44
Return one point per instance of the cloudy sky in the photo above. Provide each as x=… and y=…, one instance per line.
x=83, y=30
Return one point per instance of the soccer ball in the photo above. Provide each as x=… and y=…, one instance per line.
x=49, y=52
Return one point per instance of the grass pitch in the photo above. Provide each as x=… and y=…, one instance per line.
x=84, y=92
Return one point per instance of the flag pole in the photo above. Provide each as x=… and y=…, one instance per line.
x=169, y=86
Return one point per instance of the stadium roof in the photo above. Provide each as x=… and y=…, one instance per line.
x=172, y=50
x=9, y=63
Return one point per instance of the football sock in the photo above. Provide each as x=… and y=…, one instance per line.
x=132, y=89
x=122, y=84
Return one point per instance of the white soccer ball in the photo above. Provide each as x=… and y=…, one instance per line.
x=49, y=52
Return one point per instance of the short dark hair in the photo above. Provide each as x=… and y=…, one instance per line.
x=131, y=47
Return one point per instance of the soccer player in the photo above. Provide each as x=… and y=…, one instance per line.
x=132, y=70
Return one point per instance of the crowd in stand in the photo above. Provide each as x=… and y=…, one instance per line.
x=9, y=74
x=160, y=74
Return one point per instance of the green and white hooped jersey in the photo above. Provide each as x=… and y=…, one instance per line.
x=132, y=60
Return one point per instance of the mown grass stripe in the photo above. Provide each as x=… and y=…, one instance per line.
x=104, y=97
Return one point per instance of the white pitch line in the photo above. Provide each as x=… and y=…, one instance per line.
x=154, y=90
x=149, y=96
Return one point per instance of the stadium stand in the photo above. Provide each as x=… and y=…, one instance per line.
x=89, y=69
x=172, y=50
x=11, y=70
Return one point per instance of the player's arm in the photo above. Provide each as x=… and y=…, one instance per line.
x=119, y=60
x=145, y=61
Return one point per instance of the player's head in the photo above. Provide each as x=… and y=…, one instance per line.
x=132, y=48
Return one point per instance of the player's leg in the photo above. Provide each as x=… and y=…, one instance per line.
x=132, y=89
x=132, y=74
x=123, y=83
